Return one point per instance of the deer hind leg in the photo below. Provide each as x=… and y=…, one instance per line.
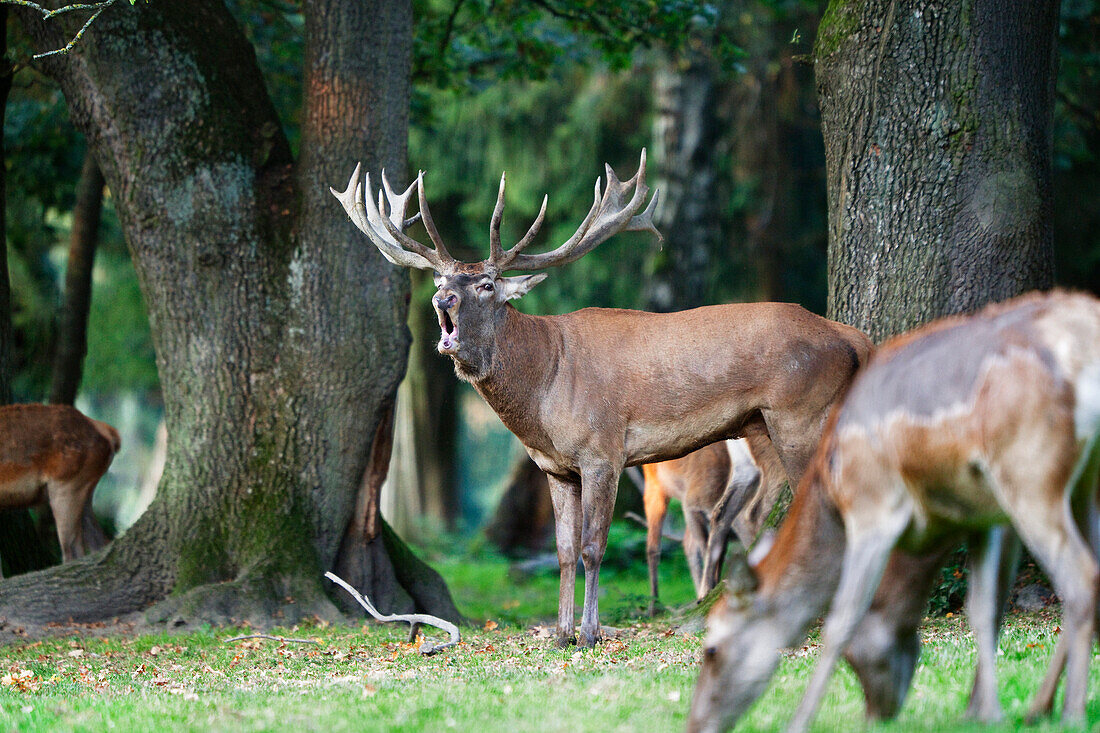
x=67, y=501
x=867, y=550
x=565, y=496
x=741, y=488
x=656, y=507
x=598, y=487
x=695, y=546
x=1052, y=534
x=773, y=478
x=993, y=559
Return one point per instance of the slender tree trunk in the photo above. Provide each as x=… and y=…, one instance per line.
x=279, y=333
x=684, y=136
x=421, y=484
x=937, y=126
x=72, y=339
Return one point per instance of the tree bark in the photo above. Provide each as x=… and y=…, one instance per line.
x=279, y=333
x=937, y=126
x=421, y=484
x=72, y=339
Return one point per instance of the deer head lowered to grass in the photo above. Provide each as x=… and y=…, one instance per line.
x=590, y=392
x=958, y=428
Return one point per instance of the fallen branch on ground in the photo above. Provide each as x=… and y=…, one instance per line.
x=272, y=638
x=412, y=618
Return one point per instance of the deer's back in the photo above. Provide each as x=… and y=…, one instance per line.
x=44, y=442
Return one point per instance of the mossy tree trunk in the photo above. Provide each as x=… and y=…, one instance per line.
x=937, y=126
x=279, y=333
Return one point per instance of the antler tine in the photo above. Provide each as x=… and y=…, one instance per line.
x=377, y=212
x=352, y=199
x=533, y=231
x=429, y=225
x=607, y=217
x=496, y=252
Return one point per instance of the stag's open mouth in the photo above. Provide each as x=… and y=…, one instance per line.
x=448, y=337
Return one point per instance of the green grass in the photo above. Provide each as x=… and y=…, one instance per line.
x=506, y=677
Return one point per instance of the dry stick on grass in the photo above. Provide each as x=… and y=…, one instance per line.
x=272, y=638
x=412, y=618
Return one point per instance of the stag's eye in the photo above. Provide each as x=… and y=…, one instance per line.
x=485, y=287
x=709, y=653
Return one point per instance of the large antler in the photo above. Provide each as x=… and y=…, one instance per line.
x=387, y=231
x=609, y=215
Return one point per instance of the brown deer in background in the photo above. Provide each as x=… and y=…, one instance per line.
x=55, y=453
x=591, y=392
x=960, y=426
x=722, y=488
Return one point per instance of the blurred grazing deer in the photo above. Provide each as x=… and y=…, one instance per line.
x=964, y=425
x=722, y=488
x=54, y=453
x=591, y=392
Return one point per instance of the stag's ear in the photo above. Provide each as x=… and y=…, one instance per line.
x=515, y=287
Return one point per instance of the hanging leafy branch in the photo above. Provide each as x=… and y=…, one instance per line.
x=472, y=43
x=47, y=14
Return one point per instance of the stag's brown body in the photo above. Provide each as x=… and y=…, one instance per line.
x=723, y=488
x=54, y=453
x=590, y=392
x=965, y=425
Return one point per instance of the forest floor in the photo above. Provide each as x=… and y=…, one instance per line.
x=505, y=675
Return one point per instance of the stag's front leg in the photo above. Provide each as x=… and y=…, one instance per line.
x=598, y=487
x=566, y=498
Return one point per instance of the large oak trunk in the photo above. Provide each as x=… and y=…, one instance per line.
x=280, y=338
x=937, y=125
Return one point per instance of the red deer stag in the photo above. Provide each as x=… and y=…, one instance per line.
x=722, y=488
x=54, y=453
x=963, y=425
x=591, y=392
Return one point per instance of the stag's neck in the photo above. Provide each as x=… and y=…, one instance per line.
x=525, y=358
x=799, y=576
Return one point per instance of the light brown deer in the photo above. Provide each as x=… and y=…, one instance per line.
x=55, y=453
x=961, y=426
x=723, y=488
x=590, y=392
